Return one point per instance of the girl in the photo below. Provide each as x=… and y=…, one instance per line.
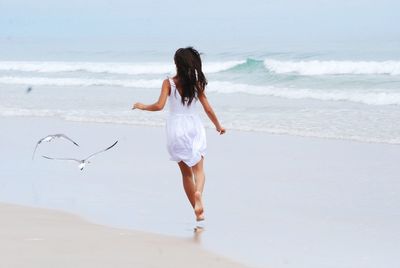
x=186, y=137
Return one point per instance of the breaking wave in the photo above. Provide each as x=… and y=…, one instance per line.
x=108, y=67
x=317, y=67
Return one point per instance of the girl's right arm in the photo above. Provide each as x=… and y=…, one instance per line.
x=159, y=105
x=210, y=113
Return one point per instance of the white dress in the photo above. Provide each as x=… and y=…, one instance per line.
x=186, y=136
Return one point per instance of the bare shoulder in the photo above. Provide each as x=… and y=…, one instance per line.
x=166, y=86
x=202, y=95
x=166, y=82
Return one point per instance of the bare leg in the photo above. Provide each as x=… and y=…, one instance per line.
x=199, y=178
x=188, y=183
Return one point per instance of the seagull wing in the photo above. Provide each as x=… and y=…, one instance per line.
x=68, y=159
x=37, y=144
x=66, y=137
x=34, y=151
x=108, y=148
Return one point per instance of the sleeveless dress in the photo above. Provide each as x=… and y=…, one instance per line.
x=186, y=136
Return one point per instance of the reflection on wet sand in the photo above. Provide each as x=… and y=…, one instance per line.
x=198, y=230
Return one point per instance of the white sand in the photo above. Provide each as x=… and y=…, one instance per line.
x=31, y=237
x=271, y=200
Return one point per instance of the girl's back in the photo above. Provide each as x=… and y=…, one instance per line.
x=176, y=107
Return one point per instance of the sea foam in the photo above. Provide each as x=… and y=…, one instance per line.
x=381, y=97
x=333, y=67
x=80, y=82
x=107, y=67
x=370, y=97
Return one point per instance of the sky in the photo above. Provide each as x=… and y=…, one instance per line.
x=212, y=21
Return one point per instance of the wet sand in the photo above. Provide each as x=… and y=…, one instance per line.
x=270, y=200
x=32, y=237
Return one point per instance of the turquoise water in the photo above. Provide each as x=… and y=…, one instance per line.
x=337, y=91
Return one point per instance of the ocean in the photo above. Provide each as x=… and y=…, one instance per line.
x=327, y=94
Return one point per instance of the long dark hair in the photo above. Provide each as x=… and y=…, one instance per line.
x=189, y=73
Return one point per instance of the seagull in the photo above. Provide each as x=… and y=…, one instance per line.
x=50, y=138
x=83, y=162
x=28, y=90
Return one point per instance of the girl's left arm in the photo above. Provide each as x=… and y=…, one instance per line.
x=159, y=105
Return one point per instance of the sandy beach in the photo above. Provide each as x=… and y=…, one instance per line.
x=271, y=200
x=32, y=237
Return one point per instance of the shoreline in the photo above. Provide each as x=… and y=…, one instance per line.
x=50, y=238
x=332, y=199
x=208, y=127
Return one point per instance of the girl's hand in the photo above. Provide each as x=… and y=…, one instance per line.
x=139, y=106
x=221, y=130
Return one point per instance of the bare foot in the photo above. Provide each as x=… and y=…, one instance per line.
x=198, y=207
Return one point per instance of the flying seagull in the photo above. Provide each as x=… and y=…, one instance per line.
x=28, y=90
x=83, y=162
x=50, y=138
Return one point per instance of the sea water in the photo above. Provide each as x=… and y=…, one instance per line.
x=327, y=94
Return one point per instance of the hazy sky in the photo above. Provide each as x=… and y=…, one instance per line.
x=226, y=21
x=300, y=18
